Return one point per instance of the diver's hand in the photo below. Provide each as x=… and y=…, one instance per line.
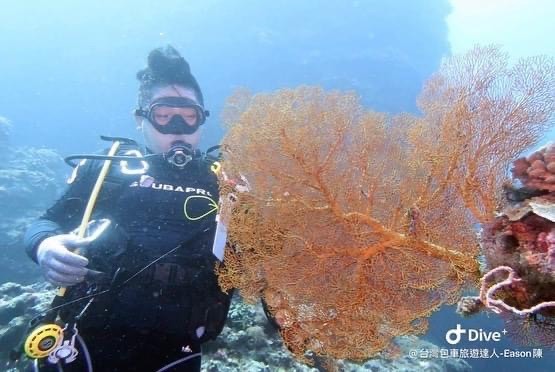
x=60, y=266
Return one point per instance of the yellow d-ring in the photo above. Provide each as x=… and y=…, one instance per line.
x=43, y=340
x=216, y=166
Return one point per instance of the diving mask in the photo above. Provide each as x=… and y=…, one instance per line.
x=174, y=115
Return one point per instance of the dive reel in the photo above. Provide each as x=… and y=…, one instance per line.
x=51, y=340
x=48, y=341
x=43, y=340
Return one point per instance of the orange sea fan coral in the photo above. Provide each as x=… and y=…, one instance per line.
x=357, y=226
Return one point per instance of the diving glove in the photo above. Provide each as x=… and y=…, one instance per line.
x=60, y=266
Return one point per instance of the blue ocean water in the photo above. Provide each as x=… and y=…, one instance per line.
x=67, y=71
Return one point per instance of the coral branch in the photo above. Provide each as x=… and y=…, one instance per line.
x=487, y=295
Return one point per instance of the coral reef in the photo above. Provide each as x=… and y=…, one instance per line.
x=519, y=249
x=357, y=226
x=248, y=342
x=537, y=171
x=30, y=179
x=18, y=305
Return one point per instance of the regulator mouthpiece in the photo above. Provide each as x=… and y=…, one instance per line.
x=179, y=155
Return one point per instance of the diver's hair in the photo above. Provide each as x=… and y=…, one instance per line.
x=165, y=67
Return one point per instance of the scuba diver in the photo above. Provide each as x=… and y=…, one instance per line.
x=140, y=293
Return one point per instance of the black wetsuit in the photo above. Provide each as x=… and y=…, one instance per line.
x=163, y=314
